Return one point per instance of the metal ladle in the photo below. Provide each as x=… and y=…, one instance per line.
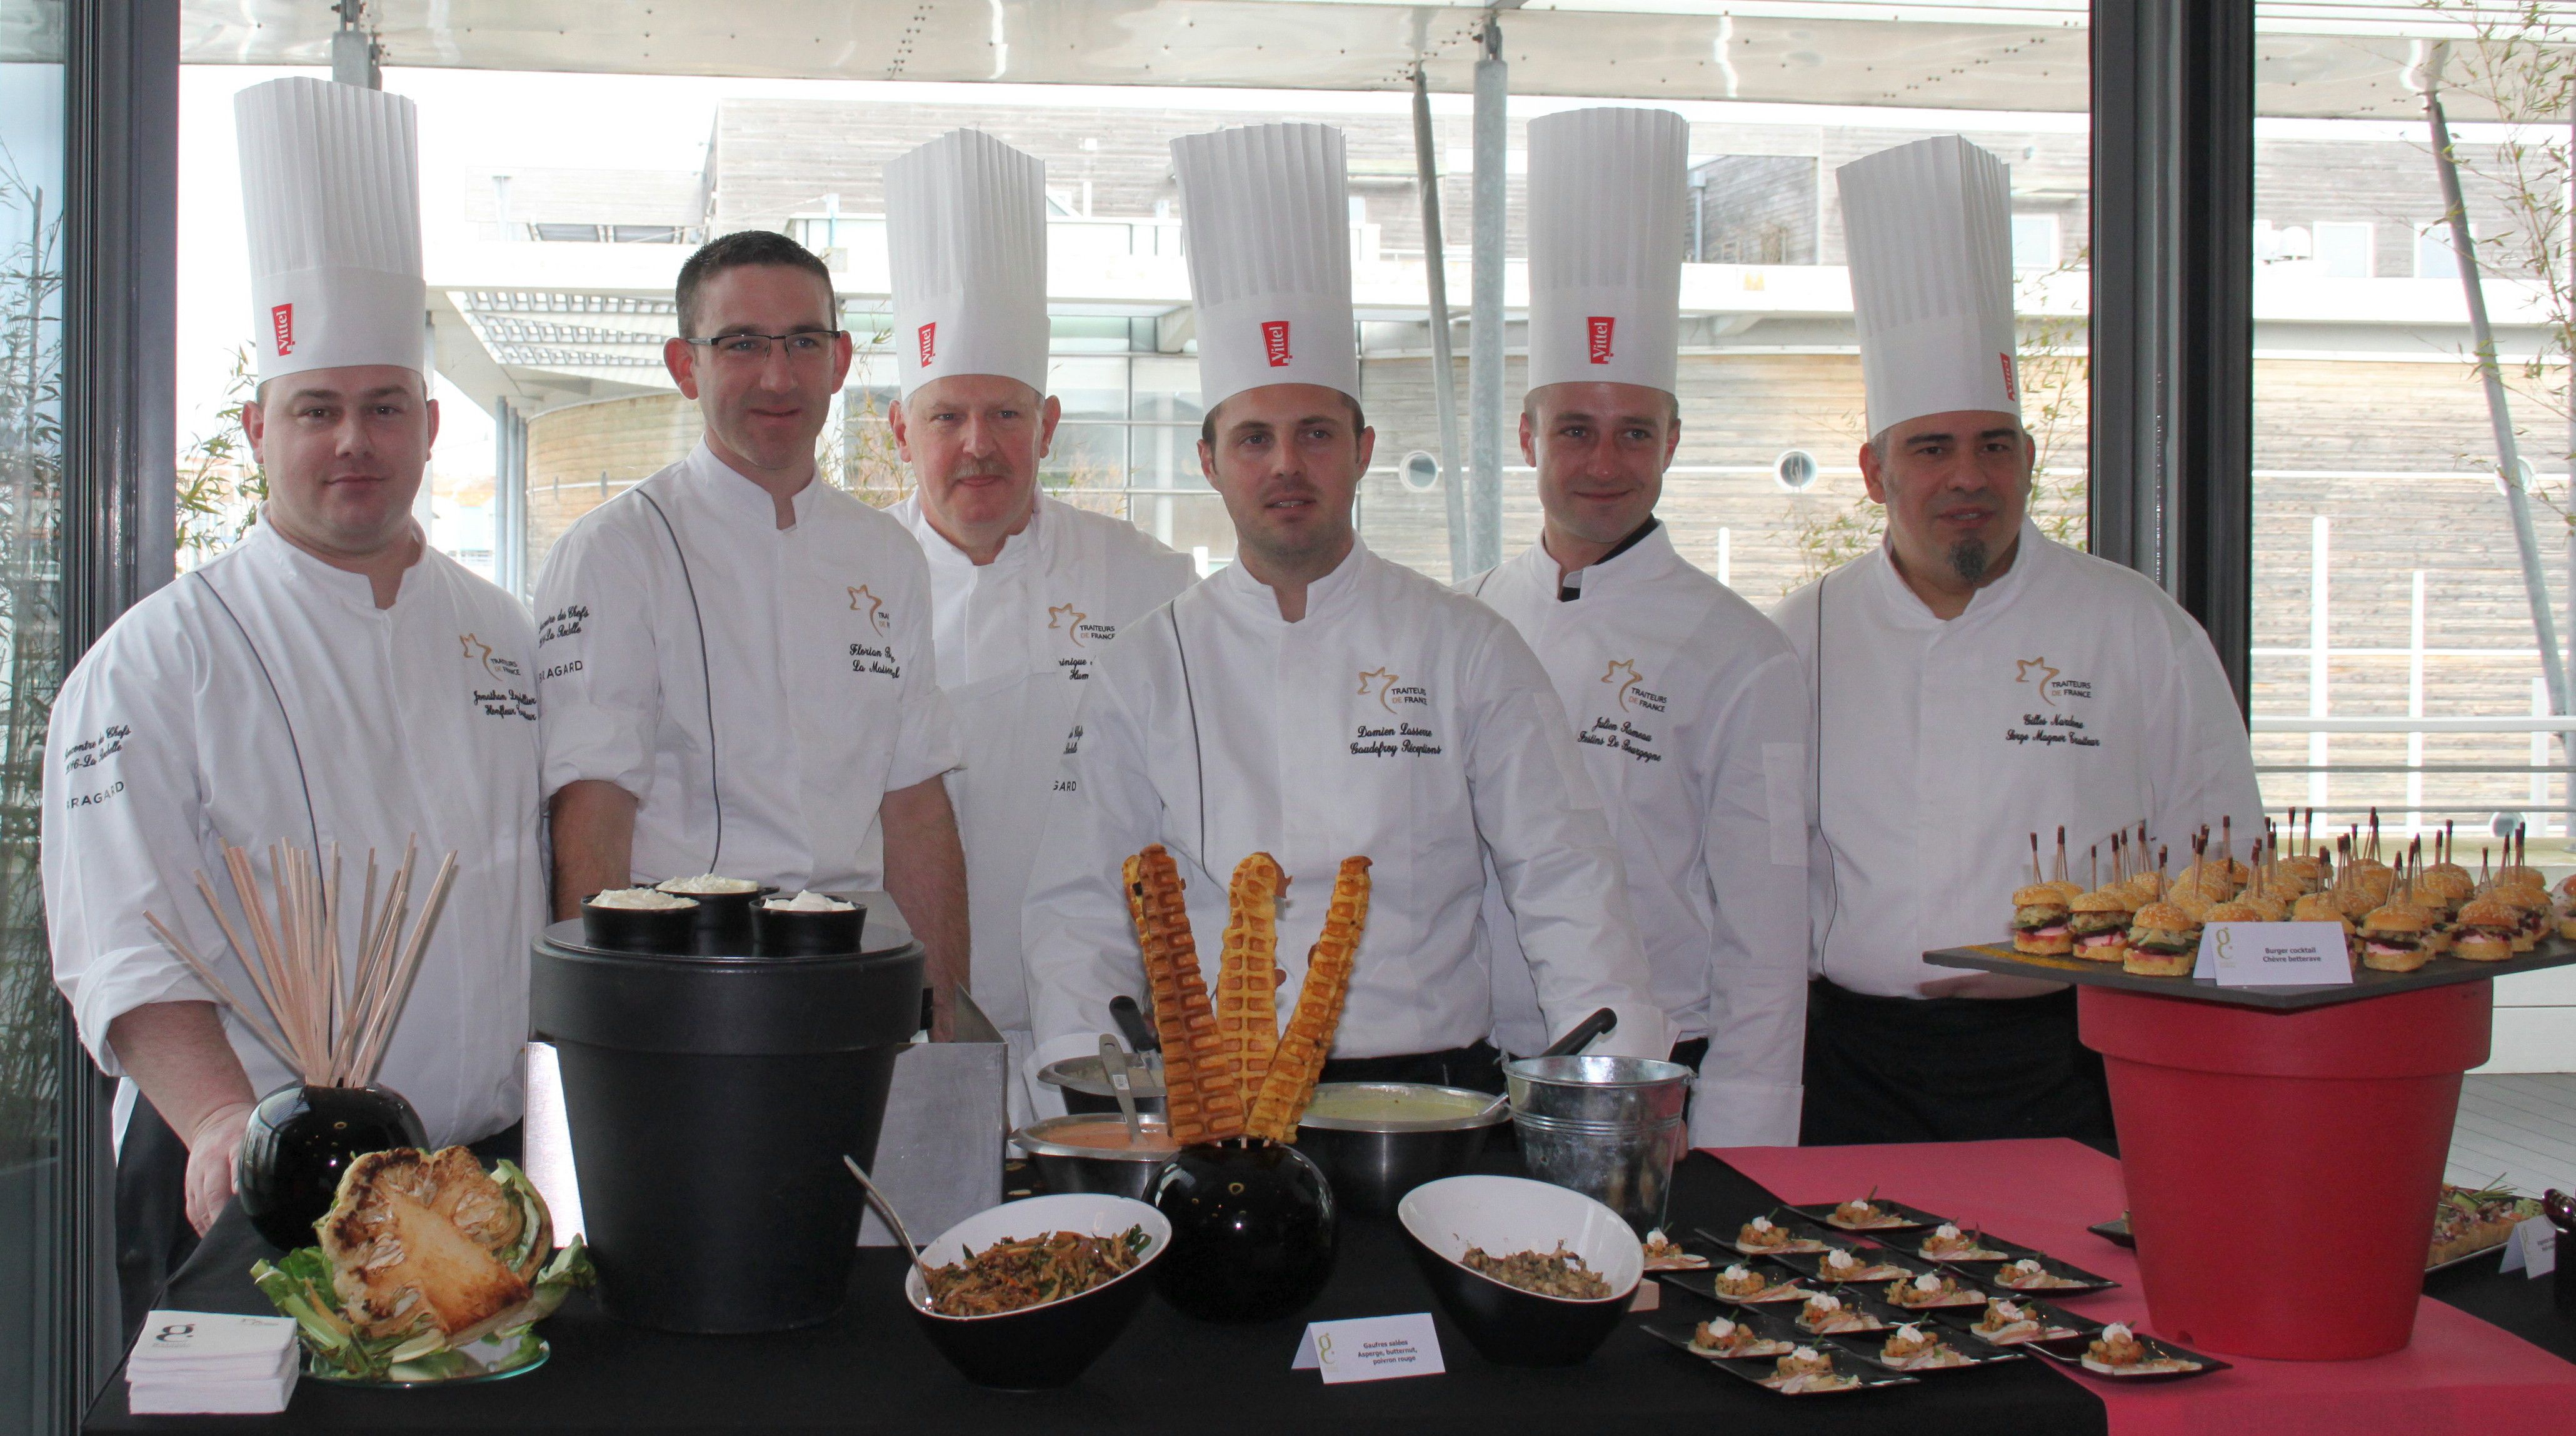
x=1113, y=1066
x=885, y=1209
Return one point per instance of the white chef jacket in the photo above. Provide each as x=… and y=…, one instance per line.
x=2071, y=690
x=758, y=689
x=1397, y=721
x=1691, y=713
x=264, y=698
x=1017, y=639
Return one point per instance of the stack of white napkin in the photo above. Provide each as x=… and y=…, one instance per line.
x=216, y=1363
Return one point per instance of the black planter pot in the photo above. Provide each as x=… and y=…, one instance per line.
x=776, y=932
x=300, y=1139
x=724, y=921
x=1253, y=1230
x=640, y=929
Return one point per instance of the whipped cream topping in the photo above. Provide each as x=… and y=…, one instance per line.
x=1823, y=1302
x=1945, y=1231
x=1806, y=1353
x=1927, y=1282
x=1761, y=1224
x=1720, y=1327
x=1909, y=1332
x=2116, y=1331
x=1735, y=1272
x=711, y=884
x=1840, y=1260
x=805, y=901
x=2027, y=1267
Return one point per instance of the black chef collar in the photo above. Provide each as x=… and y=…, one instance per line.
x=1569, y=592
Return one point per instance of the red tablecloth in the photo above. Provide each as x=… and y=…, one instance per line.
x=2460, y=1375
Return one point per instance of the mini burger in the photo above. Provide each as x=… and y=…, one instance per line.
x=2535, y=919
x=2484, y=931
x=2164, y=941
x=2100, y=922
x=2319, y=907
x=2444, y=888
x=2392, y=939
x=2567, y=908
x=2308, y=872
x=2039, y=922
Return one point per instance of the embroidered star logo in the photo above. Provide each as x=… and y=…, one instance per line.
x=2024, y=667
x=862, y=601
x=1377, y=681
x=477, y=650
x=1066, y=616
x=1627, y=666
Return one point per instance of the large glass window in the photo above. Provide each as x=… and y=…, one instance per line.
x=31, y=357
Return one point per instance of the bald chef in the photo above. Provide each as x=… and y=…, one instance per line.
x=330, y=680
x=1690, y=709
x=1026, y=592
x=1316, y=702
x=1974, y=683
x=735, y=655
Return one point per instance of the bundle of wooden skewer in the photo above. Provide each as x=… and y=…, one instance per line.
x=329, y=1025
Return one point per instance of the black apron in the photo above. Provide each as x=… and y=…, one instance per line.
x=1948, y=1069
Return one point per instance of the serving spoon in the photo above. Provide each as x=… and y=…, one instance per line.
x=885, y=1209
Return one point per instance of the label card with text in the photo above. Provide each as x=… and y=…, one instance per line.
x=2274, y=954
x=2533, y=1247
x=1370, y=1348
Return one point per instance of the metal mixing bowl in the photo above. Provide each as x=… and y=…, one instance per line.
x=1374, y=1161
x=1114, y=1171
x=1087, y=1090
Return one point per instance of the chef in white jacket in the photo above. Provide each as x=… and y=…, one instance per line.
x=735, y=656
x=330, y=680
x=1316, y=702
x=1974, y=683
x=1026, y=592
x=1688, y=705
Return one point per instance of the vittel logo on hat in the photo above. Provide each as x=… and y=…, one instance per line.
x=929, y=337
x=1274, y=342
x=281, y=318
x=1597, y=336
x=2012, y=383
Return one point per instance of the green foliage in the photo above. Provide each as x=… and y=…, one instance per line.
x=220, y=482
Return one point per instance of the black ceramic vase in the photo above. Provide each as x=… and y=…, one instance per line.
x=1253, y=1230
x=300, y=1139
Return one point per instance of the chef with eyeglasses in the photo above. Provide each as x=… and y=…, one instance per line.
x=735, y=656
x=1316, y=702
x=329, y=680
x=1027, y=592
x=1974, y=682
x=1688, y=706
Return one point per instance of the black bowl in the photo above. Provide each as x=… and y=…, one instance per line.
x=779, y=933
x=1253, y=1233
x=724, y=919
x=1038, y=1347
x=1504, y=1215
x=300, y=1139
x=639, y=929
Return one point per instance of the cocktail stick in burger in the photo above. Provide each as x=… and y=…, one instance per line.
x=2039, y=921
x=1294, y=1068
x=2164, y=941
x=2099, y=921
x=2392, y=939
x=1247, y=985
x=2484, y=931
x=1202, y=1102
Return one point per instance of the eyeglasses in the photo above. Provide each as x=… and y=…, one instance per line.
x=751, y=349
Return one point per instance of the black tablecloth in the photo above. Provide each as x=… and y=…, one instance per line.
x=870, y=1370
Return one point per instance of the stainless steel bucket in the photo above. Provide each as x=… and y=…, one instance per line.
x=1608, y=1127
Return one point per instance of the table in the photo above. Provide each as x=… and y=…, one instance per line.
x=870, y=1370
x=2459, y=1375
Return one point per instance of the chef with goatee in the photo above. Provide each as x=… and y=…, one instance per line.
x=1974, y=682
x=1316, y=702
x=1026, y=592
x=1688, y=706
x=330, y=679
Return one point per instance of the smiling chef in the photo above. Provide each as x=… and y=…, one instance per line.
x=1689, y=706
x=1026, y=592
x=330, y=679
x=1974, y=682
x=1317, y=702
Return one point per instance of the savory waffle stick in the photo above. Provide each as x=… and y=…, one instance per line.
x=1247, y=990
x=1201, y=1099
x=1290, y=1081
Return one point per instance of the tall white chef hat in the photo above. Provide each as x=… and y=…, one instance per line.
x=1266, y=215
x=331, y=195
x=1928, y=228
x=1608, y=192
x=966, y=243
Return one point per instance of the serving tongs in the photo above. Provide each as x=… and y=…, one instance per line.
x=1113, y=1067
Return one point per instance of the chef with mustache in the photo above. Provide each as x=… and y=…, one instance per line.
x=1974, y=682
x=1688, y=706
x=1316, y=702
x=1026, y=592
